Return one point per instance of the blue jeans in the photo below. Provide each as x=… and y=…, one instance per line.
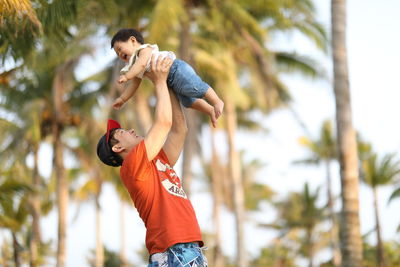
x=184, y=81
x=180, y=255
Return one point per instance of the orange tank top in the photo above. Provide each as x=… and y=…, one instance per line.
x=157, y=194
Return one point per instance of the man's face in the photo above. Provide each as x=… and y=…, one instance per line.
x=127, y=139
x=125, y=49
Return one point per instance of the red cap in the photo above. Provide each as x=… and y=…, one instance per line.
x=111, y=125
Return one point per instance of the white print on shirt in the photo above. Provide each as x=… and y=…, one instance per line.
x=169, y=179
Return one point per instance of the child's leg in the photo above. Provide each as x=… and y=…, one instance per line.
x=186, y=82
x=202, y=105
x=214, y=100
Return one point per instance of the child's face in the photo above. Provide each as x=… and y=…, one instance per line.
x=125, y=49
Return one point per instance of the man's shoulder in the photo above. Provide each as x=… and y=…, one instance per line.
x=138, y=155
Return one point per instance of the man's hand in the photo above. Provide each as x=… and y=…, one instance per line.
x=118, y=103
x=159, y=69
x=122, y=79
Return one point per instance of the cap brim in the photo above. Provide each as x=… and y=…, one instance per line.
x=111, y=125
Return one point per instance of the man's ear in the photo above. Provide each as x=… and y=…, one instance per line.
x=117, y=148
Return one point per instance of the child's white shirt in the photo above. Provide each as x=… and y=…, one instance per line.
x=155, y=51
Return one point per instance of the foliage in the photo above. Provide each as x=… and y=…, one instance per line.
x=111, y=258
x=321, y=149
x=391, y=249
x=298, y=223
x=44, y=42
x=376, y=172
x=276, y=254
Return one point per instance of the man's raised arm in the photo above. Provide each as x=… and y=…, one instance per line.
x=176, y=138
x=155, y=138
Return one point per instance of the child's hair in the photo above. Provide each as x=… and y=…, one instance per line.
x=123, y=35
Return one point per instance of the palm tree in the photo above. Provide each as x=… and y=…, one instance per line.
x=62, y=83
x=351, y=244
x=276, y=255
x=111, y=259
x=19, y=26
x=54, y=86
x=191, y=147
x=311, y=215
x=25, y=134
x=63, y=77
x=395, y=194
x=323, y=150
x=35, y=201
x=92, y=189
x=297, y=221
x=13, y=10
x=216, y=175
x=255, y=192
x=391, y=250
x=377, y=172
x=23, y=24
x=14, y=205
x=63, y=61
x=5, y=253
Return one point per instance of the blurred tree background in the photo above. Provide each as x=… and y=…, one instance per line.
x=52, y=96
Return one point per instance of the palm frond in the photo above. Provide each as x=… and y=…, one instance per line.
x=166, y=17
x=17, y=10
x=292, y=62
x=395, y=194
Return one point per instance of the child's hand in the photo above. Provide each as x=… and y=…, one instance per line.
x=118, y=103
x=122, y=79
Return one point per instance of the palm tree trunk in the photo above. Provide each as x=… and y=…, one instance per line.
x=190, y=148
x=122, y=253
x=61, y=179
x=333, y=230
x=310, y=248
x=263, y=67
x=99, y=261
x=62, y=196
x=4, y=260
x=216, y=176
x=143, y=112
x=351, y=245
x=237, y=185
x=35, y=240
x=16, y=246
x=380, y=258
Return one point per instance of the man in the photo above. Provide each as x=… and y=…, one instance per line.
x=173, y=236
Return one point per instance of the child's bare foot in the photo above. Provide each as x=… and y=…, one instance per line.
x=218, y=108
x=215, y=101
x=213, y=118
x=202, y=105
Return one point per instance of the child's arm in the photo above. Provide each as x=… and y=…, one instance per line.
x=128, y=93
x=139, y=66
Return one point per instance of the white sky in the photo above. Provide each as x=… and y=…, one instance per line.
x=373, y=51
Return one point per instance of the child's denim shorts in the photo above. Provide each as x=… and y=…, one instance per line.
x=180, y=255
x=184, y=81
